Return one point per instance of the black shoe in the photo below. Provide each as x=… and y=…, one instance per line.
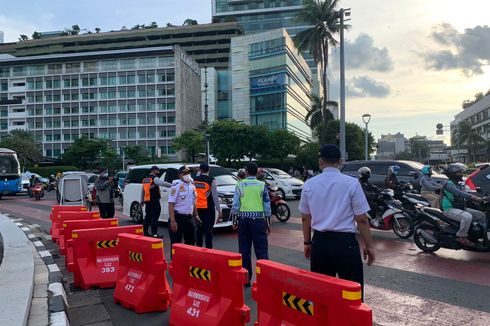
x=157, y=236
x=248, y=285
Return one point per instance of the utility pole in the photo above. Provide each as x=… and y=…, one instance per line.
x=341, y=14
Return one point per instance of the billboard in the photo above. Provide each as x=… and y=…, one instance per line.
x=268, y=81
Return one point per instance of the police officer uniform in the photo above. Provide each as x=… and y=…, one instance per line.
x=331, y=204
x=207, y=203
x=183, y=197
x=251, y=204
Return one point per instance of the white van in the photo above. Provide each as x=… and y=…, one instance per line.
x=288, y=186
x=132, y=191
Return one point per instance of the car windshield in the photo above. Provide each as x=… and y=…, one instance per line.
x=279, y=173
x=8, y=165
x=226, y=180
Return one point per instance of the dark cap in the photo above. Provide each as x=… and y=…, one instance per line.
x=184, y=169
x=204, y=167
x=330, y=152
x=154, y=167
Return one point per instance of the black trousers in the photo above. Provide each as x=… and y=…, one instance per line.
x=152, y=213
x=207, y=216
x=185, y=228
x=337, y=253
x=106, y=210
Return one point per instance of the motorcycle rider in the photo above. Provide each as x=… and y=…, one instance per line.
x=391, y=181
x=428, y=187
x=370, y=191
x=241, y=174
x=453, y=205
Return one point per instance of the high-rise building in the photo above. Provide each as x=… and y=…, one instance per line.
x=271, y=82
x=256, y=16
x=136, y=96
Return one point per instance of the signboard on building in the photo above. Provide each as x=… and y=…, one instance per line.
x=268, y=81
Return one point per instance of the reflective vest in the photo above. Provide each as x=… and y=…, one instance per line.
x=203, y=189
x=251, y=196
x=150, y=190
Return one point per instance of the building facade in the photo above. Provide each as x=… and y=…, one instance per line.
x=271, y=82
x=390, y=145
x=139, y=96
x=256, y=16
x=478, y=116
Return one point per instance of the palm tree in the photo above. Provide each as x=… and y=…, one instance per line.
x=469, y=137
x=324, y=21
x=319, y=115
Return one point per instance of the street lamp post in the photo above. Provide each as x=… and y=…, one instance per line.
x=341, y=14
x=366, y=118
x=207, y=136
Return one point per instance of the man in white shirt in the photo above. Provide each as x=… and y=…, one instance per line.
x=332, y=204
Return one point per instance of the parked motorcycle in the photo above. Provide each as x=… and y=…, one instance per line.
x=38, y=191
x=278, y=205
x=437, y=231
x=390, y=215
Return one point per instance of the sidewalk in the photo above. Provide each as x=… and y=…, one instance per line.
x=32, y=290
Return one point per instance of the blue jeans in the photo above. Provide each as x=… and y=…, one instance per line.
x=252, y=231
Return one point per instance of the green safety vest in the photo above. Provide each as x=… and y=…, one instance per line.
x=251, y=195
x=447, y=198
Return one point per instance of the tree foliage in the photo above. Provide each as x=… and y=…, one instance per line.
x=231, y=140
x=478, y=97
x=324, y=22
x=192, y=142
x=23, y=143
x=136, y=153
x=354, y=136
x=468, y=137
x=89, y=153
x=190, y=22
x=319, y=114
x=308, y=155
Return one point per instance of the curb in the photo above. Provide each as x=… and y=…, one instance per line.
x=57, y=299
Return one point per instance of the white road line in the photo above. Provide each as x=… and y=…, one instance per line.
x=38, y=243
x=45, y=253
x=53, y=268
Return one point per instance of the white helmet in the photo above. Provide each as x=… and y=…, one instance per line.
x=363, y=171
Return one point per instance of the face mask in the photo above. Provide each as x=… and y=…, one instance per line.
x=186, y=178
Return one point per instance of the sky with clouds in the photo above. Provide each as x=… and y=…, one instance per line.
x=410, y=63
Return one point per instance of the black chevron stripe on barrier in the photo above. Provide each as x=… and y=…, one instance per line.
x=200, y=273
x=136, y=256
x=106, y=244
x=297, y=303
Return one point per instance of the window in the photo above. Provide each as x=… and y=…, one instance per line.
x=109, y=65
x=72, y=67
x=19, y=71
x=56, y=68
x=90, y=66
x=128, y=64
x=147, y=62
x=37, y=70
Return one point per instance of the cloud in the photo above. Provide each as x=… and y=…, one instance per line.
x=363, y=54
x=468, y=51
x=364, y=86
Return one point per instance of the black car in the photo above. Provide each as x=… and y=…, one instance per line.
x=409, y=171
x=480, y=179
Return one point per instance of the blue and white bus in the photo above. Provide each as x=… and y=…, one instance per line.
x=10, y=178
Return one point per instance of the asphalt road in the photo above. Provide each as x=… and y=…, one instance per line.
x=403, y=287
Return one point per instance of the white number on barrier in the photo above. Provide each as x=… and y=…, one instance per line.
x=108, y=269
x=129, y=288
x=193, y=312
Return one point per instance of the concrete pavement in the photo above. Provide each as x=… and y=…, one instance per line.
x=404, y=287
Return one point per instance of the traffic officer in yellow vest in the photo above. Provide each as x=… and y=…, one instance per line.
x=182, y=209
x=207, y=204
x=251, y=212
x=150, y=198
